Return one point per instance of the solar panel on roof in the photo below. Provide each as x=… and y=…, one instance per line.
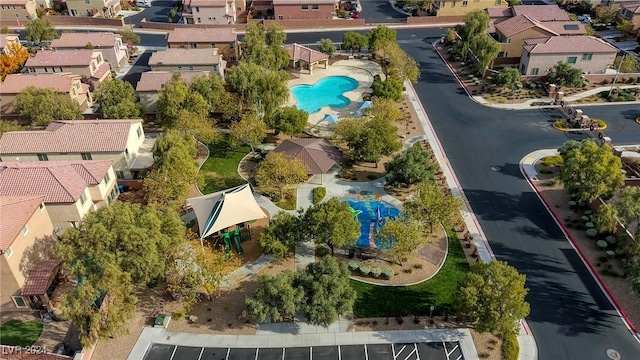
x=571, y=27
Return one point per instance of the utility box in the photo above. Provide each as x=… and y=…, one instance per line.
x=162, y=321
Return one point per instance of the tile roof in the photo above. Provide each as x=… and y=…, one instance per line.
x=154, y=80
x=317, y=155
x=81, y=39
x=6, y=38
x=515, y=25
x=60, y=82
x=207, y=3
x=300, y=2
x=300, y=52
x=70, y=137
x=14, y=2
x=496, y=12
x=57, y=181
x=520, y=23
x=568, y=45
x=538, y=12
x=102, y=69
x=215, y=35
x=633, y=7
x=177, y=56
x=565, y=27
x=40, y=277
x=15, y=212
x=64, y=57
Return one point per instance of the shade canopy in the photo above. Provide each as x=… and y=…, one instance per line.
x=225, y=208
x=317, y=155
x=331, y=118
x=365, y=105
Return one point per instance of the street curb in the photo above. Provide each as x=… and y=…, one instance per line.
x=454, y=72
x=570, y=130
x=632, y=328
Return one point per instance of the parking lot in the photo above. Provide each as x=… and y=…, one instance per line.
x=409, y=351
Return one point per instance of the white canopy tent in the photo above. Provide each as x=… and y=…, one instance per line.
x=225, y=208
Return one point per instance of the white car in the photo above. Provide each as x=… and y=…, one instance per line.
x=585, y=18
x=143, y=3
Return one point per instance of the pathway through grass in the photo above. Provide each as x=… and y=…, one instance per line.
x=221, y=168
x=388, y=301
x=20, y=333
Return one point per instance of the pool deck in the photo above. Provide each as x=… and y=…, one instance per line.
x=361, y=70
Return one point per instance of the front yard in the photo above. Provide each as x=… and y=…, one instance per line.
x=220, y=170
x=20, y=333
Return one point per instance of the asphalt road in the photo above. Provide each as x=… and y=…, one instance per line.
x=378, y=10
x=157, y=12
x=571, y=317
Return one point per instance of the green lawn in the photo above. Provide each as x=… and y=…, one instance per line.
x=19, y=333
x=223, y=161
x=386, y=301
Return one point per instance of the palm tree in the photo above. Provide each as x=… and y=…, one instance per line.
x=427, y=6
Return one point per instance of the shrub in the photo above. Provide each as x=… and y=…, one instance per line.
x=376, y=272
x=599, y=123
x=354, y=265
x=606, y=81
x=388, y=273
x=179, y=314
x=561, y=124
x=318, y=194
x=601, y=244
x=554, y=160
x=510, y=347
x=365, y=269
x=592, y=233
x=546, y=171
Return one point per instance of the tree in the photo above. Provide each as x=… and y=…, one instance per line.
x=388, y=89
x=328, y=292
x=628, y=208
x=10, y=125
x=563, y=74
x=174, y=97
x=353, y=41
x=281, y=236
x=410, y=167
x=129, y=37
x=327, y=46
x=211, y=88
x=117, y=100
x=607, y=218
x=605, y=14
x=263, y=47
x=264, y=91
x=589, y=170
x=277, y=171
x=42, y=106
x=400, y=65
x=626, y=27
x=385, y=109
x=332, y=223
x=432, y=206
x=626, y=64
x=348, y=130
x=276, y=298
x=402, y=236
x=290, y=120
x=379, y=35
x=507, y=77
x=378, y=138
x=197, y=125
x=39, y=30
x=475, y=23
x=485, y=48
x=15, y=55
x=4, y=29
x=250, y=130
x=493, y=296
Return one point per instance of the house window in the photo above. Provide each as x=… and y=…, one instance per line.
x=587, y=56
x=190, y=67
x=41, y=206
x=126, y=153
x=465, y=3
x=106, y=178
x=232, y=45
x=498, y=2
x=45, y=69
x=25, y=230
x=197, y=9
x=305, y=7
x=19, y=301
x=280, y=17
x=315, y=7
x=179, y=67
x=88, y=2
x=535, y=71
x=139, y=132
x=199, y=21
x=453, y=4
x=83, y=198
x=43, y=157
x=192, y=45
x=86, y=156
x=120, y=174
x=508, y=40
x=213, y=45
x=8, y=252
x=572, y=59
x=233, y=58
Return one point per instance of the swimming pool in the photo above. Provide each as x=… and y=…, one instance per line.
x=326, y=92
x=371, y=215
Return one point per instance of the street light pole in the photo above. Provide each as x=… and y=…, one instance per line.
x=615, y=78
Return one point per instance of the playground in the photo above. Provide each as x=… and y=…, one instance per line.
x=371, y=212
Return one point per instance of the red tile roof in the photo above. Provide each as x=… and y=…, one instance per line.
x=566, y=27
x=186, y=35
x=79, y=40
x=57, y=181
x=70, y=137
x=300, y=52
x=207, y=3
x=520, y=23
x=178, y=56
x=15, y=212
x=538, y=12
x=40, y=277
x=633, y=7
x=103, y=69
x=154, y=80
x=60, y=82
x=568, y=45
x=64, y=57
x=317, y=155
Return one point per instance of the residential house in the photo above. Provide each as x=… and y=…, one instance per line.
x=103, y=8
x=71, y=189
x=151, y=82
x=462, y=7
x=88, y=63
x=26, y=239
x=542, y=13
x=630, y=11
x=511, y=33
x=587, y=53
x=223, y=39
x=304, y=9
x=44, y=4
x=63, y=83
x=113, y=50
x=17, y=12
x=121, y=141
x=6, y=40
x=211, y=11
x=176, y=59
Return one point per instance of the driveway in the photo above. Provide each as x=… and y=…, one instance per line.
x=378, y=10
x=157, y=12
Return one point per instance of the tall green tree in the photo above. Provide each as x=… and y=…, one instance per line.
x=174, y=97
x=486, y=49
x=626, y=64
x=589, y=170
x=410, y=167
x=12, y=125
x=507, y=77
x=261, y=90
x=327, y=46
x=378, y=138
x=264, y=46
x=276, y=298
x=607, y=218
x=475, y=23
x=291, y=120
x=628, y=209
x=250, y=130
x=605, y=14
x=211, y=88
x=129, y=37
x=332, y=223
x=281, y=236
x=563, y=74
x=626, y=27
x=403, y=236
x=431, y=206
x=391, y=88
x=353, y=41
x=384, y=109
x=117, y=100
x=196, y=124
x=493, y=297
x=40, y=30
x=42, y=106
x=402, y=66
x=328, y=292
x=278, y=171
x=379, y=35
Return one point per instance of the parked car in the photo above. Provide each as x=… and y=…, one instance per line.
x=355, y=15
x=584, y=18
x=143, y=3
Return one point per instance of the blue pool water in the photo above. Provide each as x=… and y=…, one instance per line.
x=326, y=92
x=369, y=215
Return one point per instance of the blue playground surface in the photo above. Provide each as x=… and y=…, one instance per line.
x=371, y=214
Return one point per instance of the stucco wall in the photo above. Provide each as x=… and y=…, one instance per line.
x=286, y=12
x=452, y=8
x=544, y=62
x=224, y=49
x=514, y=48
x=210, y=15
x=14, y=15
